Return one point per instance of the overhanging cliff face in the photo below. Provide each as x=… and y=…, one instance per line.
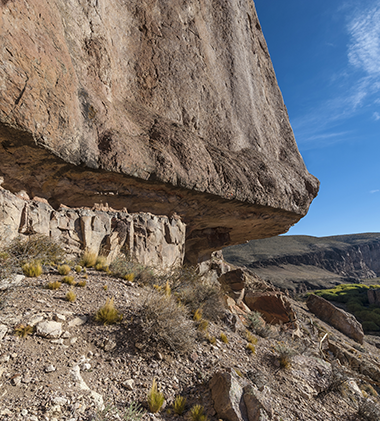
x=155, y=106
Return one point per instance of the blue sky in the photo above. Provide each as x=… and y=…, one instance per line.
x=326, y=55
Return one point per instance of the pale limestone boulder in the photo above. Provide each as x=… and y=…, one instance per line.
x=49, y=329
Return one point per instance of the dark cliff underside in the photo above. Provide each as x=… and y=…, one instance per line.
x=301, y=262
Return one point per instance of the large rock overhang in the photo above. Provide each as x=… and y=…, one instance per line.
x=167, y=107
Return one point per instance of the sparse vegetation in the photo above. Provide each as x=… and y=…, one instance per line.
x=155, y=398
x=198, y=315
x=179, y=405
x=133, y=412
x=258, y=325
x=88, y=259
x=69, y=280
x=197, y=413
x=64, y=270
x=223, y=338
x=23, y=330
x=71, y=296
x=163, y=321
x=284, y=355
x=81, y=284
x=108, y=314
x=105, y=287
x=250, y=338
x=101, y=264
x=203, y=325
x=53, y=285
x=34, y=248
x=78, y=269
x=32, y=269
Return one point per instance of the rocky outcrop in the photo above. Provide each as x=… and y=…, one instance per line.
x=158, y=107
x=152, y=240
x=273, y=306
x=336, y=317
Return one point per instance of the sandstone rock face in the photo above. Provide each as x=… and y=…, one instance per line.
x=336, y=317
x=152, y=240
x=274, y=306
x=158, y=107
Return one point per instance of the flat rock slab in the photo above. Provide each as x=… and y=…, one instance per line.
x=336, y=317
x=49, y=329
x=78, y=321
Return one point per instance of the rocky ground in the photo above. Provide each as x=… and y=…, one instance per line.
x=71, y=365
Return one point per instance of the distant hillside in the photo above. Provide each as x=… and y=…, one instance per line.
x=302, y=262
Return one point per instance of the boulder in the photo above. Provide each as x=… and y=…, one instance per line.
x=167, y=108
x=341, y=320
x=227, y=395
x=374, y=296
x=49, y=329
x=274, y=306
x=258, y=403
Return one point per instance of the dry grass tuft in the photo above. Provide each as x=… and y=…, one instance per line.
x=69, y=280
x=71, y=296
x=64, y=270
x=32, y=269
x=198, y=315
x=179, y=405
x=197, y=413
x=164, y=322
x=250, y=337
x=88, y=259
x=78, y=268
x=203, y=325
x=223, y=338
x=155, y=398
x=23, y=330
x=53, y=285
x=108, y=314
x=81, y=284
x=284, y=355
x=101, y=264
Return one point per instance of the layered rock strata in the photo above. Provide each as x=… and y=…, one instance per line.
x=159, y=106
x=148, y=239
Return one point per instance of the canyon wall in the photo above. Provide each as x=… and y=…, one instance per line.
x=155, y=106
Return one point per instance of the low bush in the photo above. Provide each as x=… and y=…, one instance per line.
x=69, y=280
x=285, y=355
x=164, y=322
x=223, y=338
x=81, y=284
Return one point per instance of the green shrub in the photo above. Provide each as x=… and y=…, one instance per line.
x=155, y=398
x=108, y=314
x=370, y=326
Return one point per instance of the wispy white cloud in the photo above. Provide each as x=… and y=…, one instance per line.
x=374, y=191
x=364, y=47
x=358, y=81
